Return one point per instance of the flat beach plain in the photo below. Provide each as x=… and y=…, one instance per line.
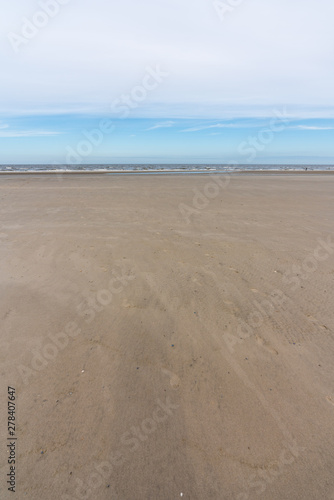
x=168, y=336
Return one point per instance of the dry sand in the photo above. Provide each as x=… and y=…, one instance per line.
x=160, y=357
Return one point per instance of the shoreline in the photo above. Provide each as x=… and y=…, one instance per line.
x=170, y=172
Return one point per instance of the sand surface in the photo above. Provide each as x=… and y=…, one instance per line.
x=167, y=344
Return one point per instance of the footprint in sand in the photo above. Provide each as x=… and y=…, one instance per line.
x=330, y=400
x=233, y=269
x=316, y=322
x=174, y=379
x=265, y=344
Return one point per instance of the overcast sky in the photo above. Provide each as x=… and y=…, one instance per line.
x=216, y=64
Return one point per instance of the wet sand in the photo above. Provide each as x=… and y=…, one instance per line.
x=168, y=336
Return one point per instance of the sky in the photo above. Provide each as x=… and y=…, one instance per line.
x=166, y=81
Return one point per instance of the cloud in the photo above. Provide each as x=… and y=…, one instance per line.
x=220, y=125
x=27, y=133
x=3, y=126
x=247, y=124
x=166, y=124
x=205, y=127
x=242, y=62
x=312, y=127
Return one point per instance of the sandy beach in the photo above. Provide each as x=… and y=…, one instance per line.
x=168, y=336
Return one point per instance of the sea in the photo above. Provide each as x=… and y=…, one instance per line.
x=159, y=168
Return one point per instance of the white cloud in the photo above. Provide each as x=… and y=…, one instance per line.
x=311, y=127
x=166, y=124
x=205, y=127
x=260, y=56
x=27, y=133
x=245, y=124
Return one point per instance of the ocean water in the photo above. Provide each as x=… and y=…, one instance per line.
x=159, y=168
